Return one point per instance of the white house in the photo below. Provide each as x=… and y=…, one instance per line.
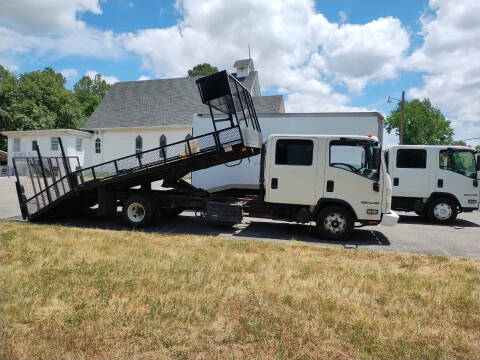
x=136, y=116
x=23, y=143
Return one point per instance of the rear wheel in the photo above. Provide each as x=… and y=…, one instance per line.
x=335, y=223
x=442, y=211
x=138, y=211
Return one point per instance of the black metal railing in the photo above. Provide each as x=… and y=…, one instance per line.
x=211, y=142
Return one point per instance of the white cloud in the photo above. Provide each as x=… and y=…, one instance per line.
x=295, y=49
x=108, y=79
x=69, y=73
x=144, y=77
x=47, y=16
x=450, y=56
x=30, y=29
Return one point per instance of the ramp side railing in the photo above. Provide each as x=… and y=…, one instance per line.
x=41, y=181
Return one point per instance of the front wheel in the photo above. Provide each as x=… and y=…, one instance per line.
x=442, y=211
x=138, y=211
x=335, y=223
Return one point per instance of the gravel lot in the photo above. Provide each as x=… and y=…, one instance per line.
x=411, y=235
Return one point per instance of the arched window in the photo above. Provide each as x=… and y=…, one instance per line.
x=163, y=142
x=98, y=146
x=138, y=144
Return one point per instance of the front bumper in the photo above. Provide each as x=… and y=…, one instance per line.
x=390, y=218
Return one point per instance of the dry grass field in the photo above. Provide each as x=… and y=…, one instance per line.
x=96, y=294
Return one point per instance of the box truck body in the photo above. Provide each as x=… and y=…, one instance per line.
x=244, y=174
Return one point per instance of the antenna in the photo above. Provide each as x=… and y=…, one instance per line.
x=249, y=52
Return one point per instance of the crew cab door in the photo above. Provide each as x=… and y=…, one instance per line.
x=291, y=170
x=410, y=173
x=351, y=177
x=456, y=174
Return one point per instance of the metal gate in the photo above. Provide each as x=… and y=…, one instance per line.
x=42, y=181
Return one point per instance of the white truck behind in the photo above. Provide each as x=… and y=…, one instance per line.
x=244, y=174
x=437, y=182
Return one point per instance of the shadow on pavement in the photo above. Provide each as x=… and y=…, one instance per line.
x=291, y=231
x=250, y=229
x=414, y=219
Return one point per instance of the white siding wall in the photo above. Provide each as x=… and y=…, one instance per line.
x=43, y=141
x=121, y=142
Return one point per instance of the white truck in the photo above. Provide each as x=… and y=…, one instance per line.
x=333, y=180
x=437, y=182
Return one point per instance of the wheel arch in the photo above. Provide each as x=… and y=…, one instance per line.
x=438, y=194
x=324, y=202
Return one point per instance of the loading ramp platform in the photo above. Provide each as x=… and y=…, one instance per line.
x=50, y=185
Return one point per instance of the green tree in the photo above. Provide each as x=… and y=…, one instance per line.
x=202, y=70
x=459, y=143
x=90, y=92
x=424, y=124
x=8, y=88
x=477, y=148
x=37, y=100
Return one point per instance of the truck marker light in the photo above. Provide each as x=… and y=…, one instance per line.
x=227, y=148
x=372, y=211
x=183, y=155
x=244, y=149
x=369, y=135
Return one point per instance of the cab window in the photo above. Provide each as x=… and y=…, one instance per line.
x=460, y=162
x=411, y=158
x=356, y=158
x=294, y=152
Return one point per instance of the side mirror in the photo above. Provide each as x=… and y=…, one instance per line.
x=478, y=162
x=377, y=157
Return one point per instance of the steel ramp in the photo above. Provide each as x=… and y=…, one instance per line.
x=43, y=184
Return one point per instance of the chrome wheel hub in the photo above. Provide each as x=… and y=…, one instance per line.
x=442, y=211
x=335, y=223
x=135, y=212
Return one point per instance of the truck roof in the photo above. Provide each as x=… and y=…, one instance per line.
x=459, y=147
x=356, y=137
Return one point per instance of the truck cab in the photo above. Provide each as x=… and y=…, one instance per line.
x=334, y=180
x=437, y=182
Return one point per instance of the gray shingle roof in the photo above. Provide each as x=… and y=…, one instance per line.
x=159, y=102
x=247, y=81
x=243, y=62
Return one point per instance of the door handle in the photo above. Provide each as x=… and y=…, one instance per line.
x=396, y=181
x=330, y=185
x=440, y=183
x=274, y=183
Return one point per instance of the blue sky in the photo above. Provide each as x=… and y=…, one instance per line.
x=323, y=56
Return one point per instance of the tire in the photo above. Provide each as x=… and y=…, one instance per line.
x=138, y=211
x=171, y=212
x=442, y=211
x=335, y=223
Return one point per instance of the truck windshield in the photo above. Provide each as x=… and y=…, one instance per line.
x=357, y=158
x=459, y=161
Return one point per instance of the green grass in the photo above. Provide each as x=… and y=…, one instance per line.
x=83, y=294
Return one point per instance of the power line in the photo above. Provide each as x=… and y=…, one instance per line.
x=475, y=138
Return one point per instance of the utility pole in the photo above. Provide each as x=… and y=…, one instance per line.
x=402, y=120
